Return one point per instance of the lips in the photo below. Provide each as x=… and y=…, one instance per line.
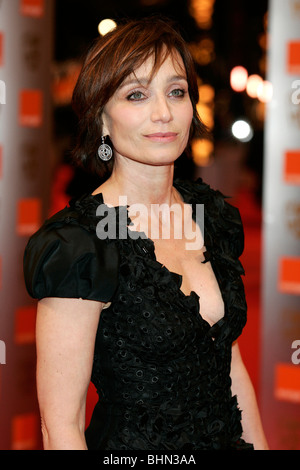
x=162, y=136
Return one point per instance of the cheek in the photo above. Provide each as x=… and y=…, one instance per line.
x=186, y=118
x=123, y=123
x=189, y=114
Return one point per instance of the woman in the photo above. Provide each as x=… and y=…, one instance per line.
x=122, y=308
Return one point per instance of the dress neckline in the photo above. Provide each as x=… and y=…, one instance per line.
x=192, y=297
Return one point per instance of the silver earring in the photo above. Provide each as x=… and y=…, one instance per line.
x=105, y=151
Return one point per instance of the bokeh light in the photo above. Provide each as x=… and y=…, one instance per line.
x=242, y=130
x=253, y=83
x=238, y=78
x=105, y=26
x=265, y=91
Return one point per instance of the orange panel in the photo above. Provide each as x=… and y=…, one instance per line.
x=289, y=275
x=287, y=382
x=25, y=431
x=31, y=104
x=293, y=59
x=32, y=8
x=292, y=167
x=28, y=216
x=25, y=318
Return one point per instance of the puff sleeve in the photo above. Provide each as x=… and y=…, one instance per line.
x=67, y=260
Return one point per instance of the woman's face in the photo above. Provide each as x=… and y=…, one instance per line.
x=149, y=122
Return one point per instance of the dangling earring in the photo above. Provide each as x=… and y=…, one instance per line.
x=104, y=151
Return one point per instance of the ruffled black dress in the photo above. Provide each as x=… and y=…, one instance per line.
x=161, y=371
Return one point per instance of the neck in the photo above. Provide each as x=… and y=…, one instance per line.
x=140, y=183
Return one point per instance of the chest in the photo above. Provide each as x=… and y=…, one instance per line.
x=196, y=276
x=181, y=250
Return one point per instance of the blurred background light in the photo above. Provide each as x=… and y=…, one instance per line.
x=238, y=78
x=253, y=83
x=203, y=51
x=202, y=151
x=205, y=106
x=206, y=93
x=265, y=91
x=202, y=11
x=105, y=26
x=242, y=130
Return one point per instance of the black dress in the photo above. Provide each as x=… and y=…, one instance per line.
x=161, y=371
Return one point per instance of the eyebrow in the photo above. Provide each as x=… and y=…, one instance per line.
x=145, y=80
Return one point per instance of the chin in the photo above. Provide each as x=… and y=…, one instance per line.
x=162, y=161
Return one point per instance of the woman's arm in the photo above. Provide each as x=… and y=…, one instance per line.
x=243, y=388
x=65, y=336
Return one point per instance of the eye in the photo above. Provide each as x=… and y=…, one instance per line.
x=136, y=96
x=178, y=93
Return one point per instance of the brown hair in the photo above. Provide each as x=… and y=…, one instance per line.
x=111, y=59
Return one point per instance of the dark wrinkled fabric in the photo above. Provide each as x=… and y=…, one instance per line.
x=161, y=371
x=65, y=258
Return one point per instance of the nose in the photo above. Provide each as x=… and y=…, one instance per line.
x=161, y=110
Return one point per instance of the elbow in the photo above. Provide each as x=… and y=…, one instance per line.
x=45, y=435
x=61, y=436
